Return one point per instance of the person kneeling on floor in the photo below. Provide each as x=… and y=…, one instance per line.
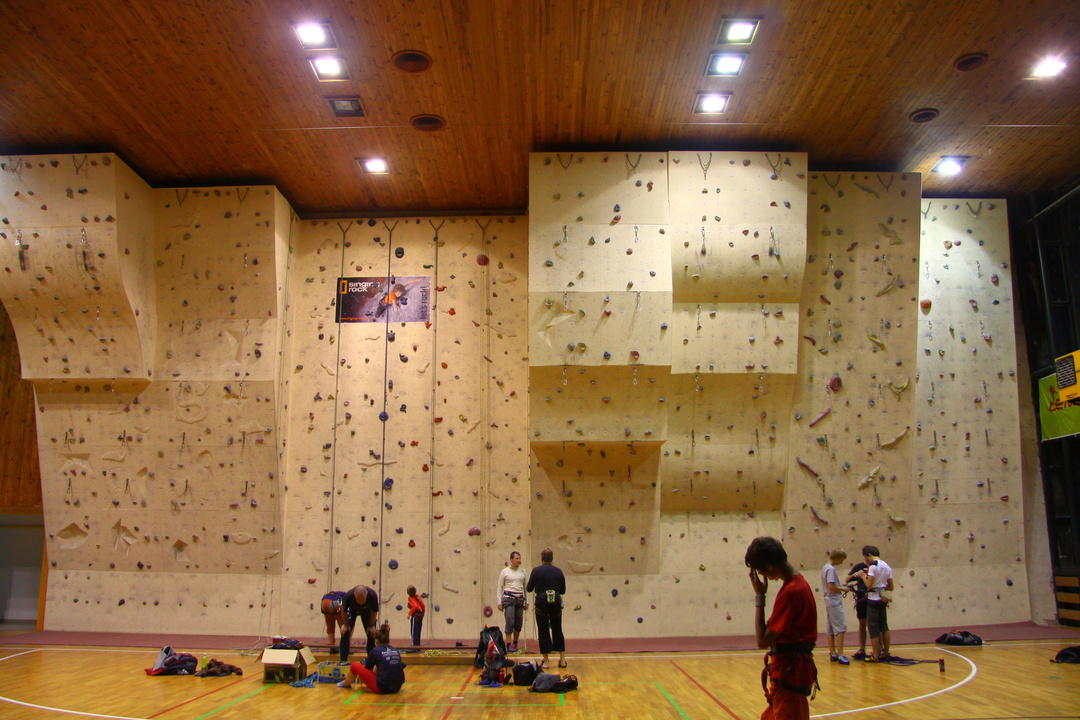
x=385, y=661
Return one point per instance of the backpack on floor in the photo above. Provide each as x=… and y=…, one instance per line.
x=959, y=637
x=1068, y=655
x=550, y=682
x=492, y=648
x=526, y=672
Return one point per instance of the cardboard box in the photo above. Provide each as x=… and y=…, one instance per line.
x=281, y=666
x=331, y=671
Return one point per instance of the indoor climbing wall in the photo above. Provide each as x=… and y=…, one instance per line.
x=664, y=297
x=966, y=535
x=849, y=466
x=157, y=419
x=738, y=247
x=407, y=460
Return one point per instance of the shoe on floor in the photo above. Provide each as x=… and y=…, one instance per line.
x=344, y=684
x=860, y=655
x=562, y=663
x=833, y=658
x=494, y=685
x=870, y=659
x=843, y=660
x=485, y=682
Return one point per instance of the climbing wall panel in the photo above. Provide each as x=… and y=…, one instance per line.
x=153, y=483
x=738, y=226
x=407, y=437
x=727, y=447
x=75, y=232
x=966, y=504
x=735, y=338
x=849, y=466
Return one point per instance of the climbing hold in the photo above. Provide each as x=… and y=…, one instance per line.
x=614, y=592
x=393, y=564
x=474, y=530
x=487, y=611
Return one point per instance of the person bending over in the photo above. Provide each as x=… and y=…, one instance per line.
x=361, y=603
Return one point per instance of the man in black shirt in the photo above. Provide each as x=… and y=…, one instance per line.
x=549, y=584
x=360, y=603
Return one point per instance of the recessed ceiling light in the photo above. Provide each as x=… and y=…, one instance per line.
x=329, y=68
x=315, y=36
x=411, y=61
x=971, y=61
x=428, y=122
x=346, y=106
x=725, y=64
x=374, y=166
x=738, y=31
x=1049, y=67
x=950, y=164
x=711, y=103
x=923, y=115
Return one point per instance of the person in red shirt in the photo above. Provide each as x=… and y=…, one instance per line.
x=790, y=675
x=416, y=614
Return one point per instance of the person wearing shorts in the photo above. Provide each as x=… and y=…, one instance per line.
x=878, y=578
x=833, y=593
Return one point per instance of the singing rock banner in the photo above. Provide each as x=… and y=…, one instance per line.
x=384, y=299
x=1056, y=419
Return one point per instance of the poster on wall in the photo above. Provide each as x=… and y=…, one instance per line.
x=1056, y=419
x=384, y=299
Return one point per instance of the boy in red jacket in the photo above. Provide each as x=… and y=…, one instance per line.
x=416, y=614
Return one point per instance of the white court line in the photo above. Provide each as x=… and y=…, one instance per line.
x=46, y=707
x=965, y=681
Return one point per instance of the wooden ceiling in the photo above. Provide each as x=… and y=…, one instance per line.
x=208, y=92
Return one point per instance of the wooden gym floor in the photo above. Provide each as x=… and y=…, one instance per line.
x=1000, y=680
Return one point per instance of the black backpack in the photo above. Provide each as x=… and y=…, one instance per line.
x=959, y=637
x=491, y=638
x=526, y=672
x=1068, y=655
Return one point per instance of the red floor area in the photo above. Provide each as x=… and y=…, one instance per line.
x=989, y=633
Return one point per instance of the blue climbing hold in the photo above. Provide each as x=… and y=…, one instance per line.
x=384, y=416
x=388, y=483
x=614, y=592
x=392, y=564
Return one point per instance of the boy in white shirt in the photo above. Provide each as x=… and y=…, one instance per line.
x=879, y=580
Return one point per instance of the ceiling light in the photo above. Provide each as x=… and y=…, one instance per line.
x=346, y=106
x=950, y=164
x=374, y=166
x=1049, y=67
x=711, y=103
x=725, y=64
x=738, y=31
x=315, y=36
x=330, y=68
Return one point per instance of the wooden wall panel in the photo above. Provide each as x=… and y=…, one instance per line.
x=20, y=472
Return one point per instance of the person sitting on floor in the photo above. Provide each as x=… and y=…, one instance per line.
x=385, y=660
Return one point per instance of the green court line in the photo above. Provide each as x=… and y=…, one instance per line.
x=672, y=701
x=242, y=697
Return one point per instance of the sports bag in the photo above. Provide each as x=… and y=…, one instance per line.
x=959, y=637
x=1068, y=655
x=526, y=672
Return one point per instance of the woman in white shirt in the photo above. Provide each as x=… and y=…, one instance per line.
x=512, y=599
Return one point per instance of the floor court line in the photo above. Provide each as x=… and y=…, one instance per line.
x=971, y=676
x=702, y=687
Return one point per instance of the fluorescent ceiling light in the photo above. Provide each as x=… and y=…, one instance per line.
x=1049, y=67
x=725, y=64
x=711, y=103
x=315, y=36
x=329, y=68
x=950, y=164
x=374, y=166
x=740, y=31
x=346, y=106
